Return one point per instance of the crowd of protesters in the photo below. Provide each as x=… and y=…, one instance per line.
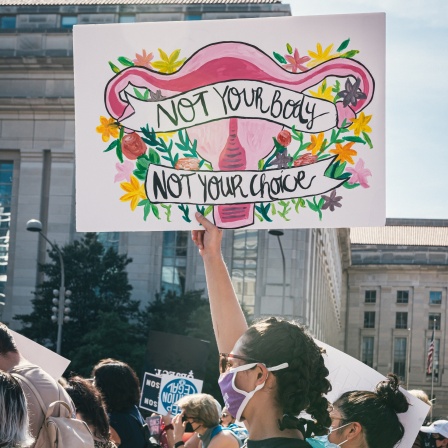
x=271, y=373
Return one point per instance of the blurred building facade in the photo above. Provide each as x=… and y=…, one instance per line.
x=37, y=176
x=397, y=295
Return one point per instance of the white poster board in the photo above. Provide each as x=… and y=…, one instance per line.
x=50, y=361
x=263, y=123
x=347, y=374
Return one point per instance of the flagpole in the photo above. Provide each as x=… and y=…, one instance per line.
x=408, y=359
x=433, y=365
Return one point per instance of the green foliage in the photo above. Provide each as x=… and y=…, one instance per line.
x=99, y=284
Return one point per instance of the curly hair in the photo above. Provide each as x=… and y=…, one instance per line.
x=89, y=403
x=303, y=384
x=117, y=383
x=376, y=412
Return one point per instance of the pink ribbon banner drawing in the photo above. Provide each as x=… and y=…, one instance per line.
x=242, y=135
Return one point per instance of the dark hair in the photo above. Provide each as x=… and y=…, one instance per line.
x=7, y=343
x=376, y=412
x=118, y=384
x=303, y=384
x=89, y=404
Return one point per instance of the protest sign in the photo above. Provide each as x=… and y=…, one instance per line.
x=252, y=128
x=172, y=389
x=348, y=374
x=174, y=354
x=149, y=396
x=50, y=361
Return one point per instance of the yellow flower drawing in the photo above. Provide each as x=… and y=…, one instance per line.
x=165, y=135
x=134, y=192
x=108, y=128
x=360, y=124
x=345, y=153
x=316, y=143
x=168, y=64
x=321, y=55
x=324, y=93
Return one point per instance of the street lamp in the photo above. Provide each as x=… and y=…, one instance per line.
x=34, y=225
x=278, y=234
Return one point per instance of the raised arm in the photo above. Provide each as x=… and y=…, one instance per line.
x=228, y=319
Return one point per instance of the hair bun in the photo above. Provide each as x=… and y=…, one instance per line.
x=389, y=392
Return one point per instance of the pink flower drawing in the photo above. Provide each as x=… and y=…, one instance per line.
x=295, y=62
x=359, y=174
x=124, y=171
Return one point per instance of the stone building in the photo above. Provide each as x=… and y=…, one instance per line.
x=37, y=175
x=397, y=295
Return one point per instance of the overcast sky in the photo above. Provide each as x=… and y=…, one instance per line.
x=416, y=99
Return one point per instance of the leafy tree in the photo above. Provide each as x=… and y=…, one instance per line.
x=101, y=293
x=189, y=315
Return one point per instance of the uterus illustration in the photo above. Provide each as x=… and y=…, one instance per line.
x=235, y=143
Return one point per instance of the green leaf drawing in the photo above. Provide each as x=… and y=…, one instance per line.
x=350, y=186
x=260, y=165
x=354, y=139
x=111, y=146
x=367, y=139
x=343, y=46
x=167, y=211
x=279, y=58
x=208, y=210
x=264, y=211
x=114, y=68
x=153, y=157
x=349, y=54
x=125, y=61
x=289, y=48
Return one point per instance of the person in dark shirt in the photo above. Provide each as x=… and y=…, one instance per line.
x=119, y=386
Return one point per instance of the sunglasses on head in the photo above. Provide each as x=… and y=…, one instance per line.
x=224, y=360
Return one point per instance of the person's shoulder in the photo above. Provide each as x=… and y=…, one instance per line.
x=224, y=439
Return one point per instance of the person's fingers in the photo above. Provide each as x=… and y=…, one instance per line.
x=204, y=221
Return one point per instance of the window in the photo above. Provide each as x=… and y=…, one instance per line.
x=6, y=172
x=8, y=22
x=402, y=296
x=435, y=297
x=369, y=319
x=109, y=240
x=401, y=320
x=174, y=261
x=68, y=21
x=244, y=267
x=434, y=322
x=193, y=17
x=400, y=345
x=370, y=296
x=127, y=18
x=367, y=351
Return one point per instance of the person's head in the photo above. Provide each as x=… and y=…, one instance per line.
x=226, y=417
x=368, y=418
x=438, y=431
x=281, y=358
x=89, y=405
x=199, y=409
x=421, y=395
x=117, y=383
x=14, y=420
x=7, y=343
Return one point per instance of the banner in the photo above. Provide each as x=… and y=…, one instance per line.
x=266, y=123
